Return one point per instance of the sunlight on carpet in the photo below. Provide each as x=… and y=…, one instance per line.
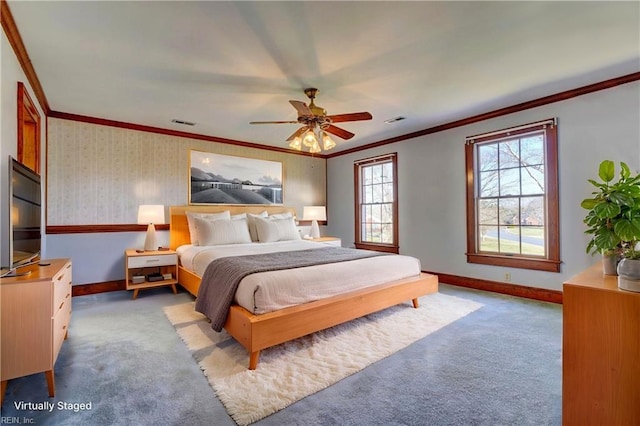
x=291, y=371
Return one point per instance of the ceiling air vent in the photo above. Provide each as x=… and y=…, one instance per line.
x=394, y=119
x=184, y=123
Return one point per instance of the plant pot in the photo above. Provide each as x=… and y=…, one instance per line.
x=629, y=275
x=610, y=264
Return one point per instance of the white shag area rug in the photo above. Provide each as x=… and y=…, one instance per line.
x=291, y=371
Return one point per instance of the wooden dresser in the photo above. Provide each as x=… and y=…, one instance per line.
x=601, y=351
x=36, y=310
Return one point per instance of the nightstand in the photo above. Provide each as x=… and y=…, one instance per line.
x=330, y=241
x=138, y=266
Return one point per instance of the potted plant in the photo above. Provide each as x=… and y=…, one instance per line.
x=613, y=219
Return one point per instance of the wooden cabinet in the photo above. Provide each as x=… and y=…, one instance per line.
x=36, y=310
x=139, y=265
x=601, y=351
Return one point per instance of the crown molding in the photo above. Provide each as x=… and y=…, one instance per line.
x=568, y=94
x=15, y=40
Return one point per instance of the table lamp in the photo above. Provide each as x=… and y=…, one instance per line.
x=314, y=213
x=148, y=214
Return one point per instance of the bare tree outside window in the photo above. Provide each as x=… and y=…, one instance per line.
x=511, y=196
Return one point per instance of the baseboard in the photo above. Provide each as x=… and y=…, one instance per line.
x=544, y=295
x=104, y=287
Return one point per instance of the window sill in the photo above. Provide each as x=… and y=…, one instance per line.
x=387, y=248
x=546, y=265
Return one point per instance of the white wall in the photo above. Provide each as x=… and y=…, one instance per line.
x=431, y=174
x=10, y=74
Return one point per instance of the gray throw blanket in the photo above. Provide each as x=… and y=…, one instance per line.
x=222, y=276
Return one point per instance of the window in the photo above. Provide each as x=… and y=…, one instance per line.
x=28, y=130
x=376, y=185
x=512, y=197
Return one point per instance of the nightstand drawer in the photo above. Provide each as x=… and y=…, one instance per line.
x=151, y=261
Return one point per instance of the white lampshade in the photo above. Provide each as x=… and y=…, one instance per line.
x=314, y=214
x=149, y=214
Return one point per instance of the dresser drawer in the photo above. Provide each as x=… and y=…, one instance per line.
x=151, y=261
x=59, y=302
x=61, y=322
x=61, y=287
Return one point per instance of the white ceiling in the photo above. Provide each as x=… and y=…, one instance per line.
x=223, y=64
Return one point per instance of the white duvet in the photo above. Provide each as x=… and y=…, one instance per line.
x=269, y=291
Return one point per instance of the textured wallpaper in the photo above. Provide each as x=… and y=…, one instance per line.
x=100, y=174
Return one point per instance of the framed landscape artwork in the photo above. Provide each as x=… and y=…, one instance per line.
x=225, y=179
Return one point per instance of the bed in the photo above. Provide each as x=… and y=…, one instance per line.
x=260, y=331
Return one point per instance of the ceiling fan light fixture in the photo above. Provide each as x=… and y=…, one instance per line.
x=315, y=148
x=296, y=143
x=316, y=125
x=310, y=139
x=327, y=142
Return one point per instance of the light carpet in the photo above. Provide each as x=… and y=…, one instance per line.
x=291, y=371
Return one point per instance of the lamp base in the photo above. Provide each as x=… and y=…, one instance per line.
x=150, y=241
x=315, y=229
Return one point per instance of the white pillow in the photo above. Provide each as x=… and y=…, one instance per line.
x=193, y=232
x=252, y=224
x=238, y=216
x=270, y=230
x=216, y=232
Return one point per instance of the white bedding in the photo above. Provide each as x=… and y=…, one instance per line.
x=269, y=291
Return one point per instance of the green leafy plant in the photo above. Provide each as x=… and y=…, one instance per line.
x=613, y=219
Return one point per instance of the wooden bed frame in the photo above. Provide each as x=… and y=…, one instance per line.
x=257, y=332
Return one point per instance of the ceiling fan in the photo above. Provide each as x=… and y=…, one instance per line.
x=317, y=124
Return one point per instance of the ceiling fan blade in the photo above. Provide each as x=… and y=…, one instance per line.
x=297, y=133
x=273, y=122
x=302, y=108
x=341, y=133
x=354, y=116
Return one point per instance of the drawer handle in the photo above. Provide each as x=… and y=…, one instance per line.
x=153, y=260
x=61, y=305
x=68, y=266
x=67, y=296
x=64, y=327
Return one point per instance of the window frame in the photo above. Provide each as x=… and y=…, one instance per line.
x=358, y=167
x=551, y=262
x=28, y=131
